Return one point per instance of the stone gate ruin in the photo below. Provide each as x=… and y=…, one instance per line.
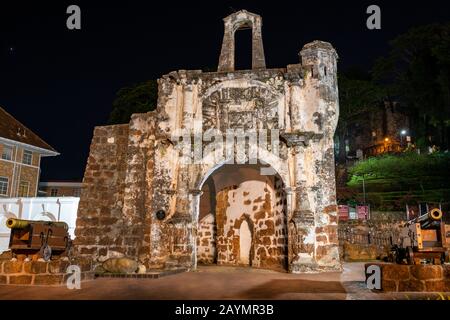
x=141, y=199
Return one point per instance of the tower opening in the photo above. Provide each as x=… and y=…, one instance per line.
x=243, y=49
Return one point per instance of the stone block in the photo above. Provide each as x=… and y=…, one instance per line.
x=435, y=286
x=120, y=265
x=12, y=267
x=35, y=267
x=20, y=279
x=389, y=285
x=426, y=272
x=358, y=252
x=58, y=266
x=89, y=251
x=48, y=279
x=411, y=286
x=446, y=268
x=447, y=285
x=3, y=279
x=6, y=255
x=395, y=272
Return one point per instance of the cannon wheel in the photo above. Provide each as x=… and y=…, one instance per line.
x=410, y=256
x=46, y=252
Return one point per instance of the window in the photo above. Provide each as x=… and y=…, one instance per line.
x=24, y=187
x=27, y=157
x=3, y=186
x=54, y=192
x=7, y=152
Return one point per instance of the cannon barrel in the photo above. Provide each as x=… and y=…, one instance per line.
x=429, y=218
x=13, y=223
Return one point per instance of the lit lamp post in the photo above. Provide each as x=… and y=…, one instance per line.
x=364, y=189
x=386, y=145
x=402, y=134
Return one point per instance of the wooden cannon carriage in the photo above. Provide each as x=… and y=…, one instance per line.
x=41, y=238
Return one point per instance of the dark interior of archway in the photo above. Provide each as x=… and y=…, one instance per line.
x=243, y=49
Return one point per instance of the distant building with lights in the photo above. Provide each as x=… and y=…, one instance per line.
x=386, y=130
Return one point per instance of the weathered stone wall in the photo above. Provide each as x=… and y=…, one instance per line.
x=367, y=240
x=206, y=240
x=262, y=207
x=21, y=271
x=99, y=230
x=414, y=278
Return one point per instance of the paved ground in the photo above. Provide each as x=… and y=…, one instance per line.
x=220, y=283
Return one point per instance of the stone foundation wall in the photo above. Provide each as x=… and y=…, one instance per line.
x=21, y=272
x=354, y=237
x=414, y=278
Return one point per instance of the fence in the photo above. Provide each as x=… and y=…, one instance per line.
x=46, y=209
x=364, y=238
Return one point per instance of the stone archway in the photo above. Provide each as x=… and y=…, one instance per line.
x=250, y=214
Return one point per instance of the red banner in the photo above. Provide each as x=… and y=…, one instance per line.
x=363, y=212
x=343, y=212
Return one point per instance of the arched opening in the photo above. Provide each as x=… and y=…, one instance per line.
x=245, y=243
x=243, y=49
x=242, y=218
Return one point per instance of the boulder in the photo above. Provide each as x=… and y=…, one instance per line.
x=120, y=265
x=141, y=269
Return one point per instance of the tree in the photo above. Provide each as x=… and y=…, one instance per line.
x=357, y=95
x=417, y=72
x=141, y=97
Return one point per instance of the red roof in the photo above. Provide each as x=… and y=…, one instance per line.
x=12, y=129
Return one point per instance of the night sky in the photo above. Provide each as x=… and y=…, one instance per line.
x=61, y=83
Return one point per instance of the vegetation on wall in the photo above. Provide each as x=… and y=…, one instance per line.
x=139, y=98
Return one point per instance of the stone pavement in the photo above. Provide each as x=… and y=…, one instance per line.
x=221, y=283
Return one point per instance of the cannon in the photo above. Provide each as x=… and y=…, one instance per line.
x=426, y=237
x=42, y=238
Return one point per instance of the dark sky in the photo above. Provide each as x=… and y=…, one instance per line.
x=61, y=83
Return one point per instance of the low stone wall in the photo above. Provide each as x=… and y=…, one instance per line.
x=414, y=278
x=360, y=252
x=367, y=240
x=23, y=272
x=387, y=215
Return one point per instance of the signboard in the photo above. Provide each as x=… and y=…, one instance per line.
x=352, y=213
x=343, y=212
x=363, y=212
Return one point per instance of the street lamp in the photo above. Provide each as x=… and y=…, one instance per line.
x=403, y=133
x=364, y=189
